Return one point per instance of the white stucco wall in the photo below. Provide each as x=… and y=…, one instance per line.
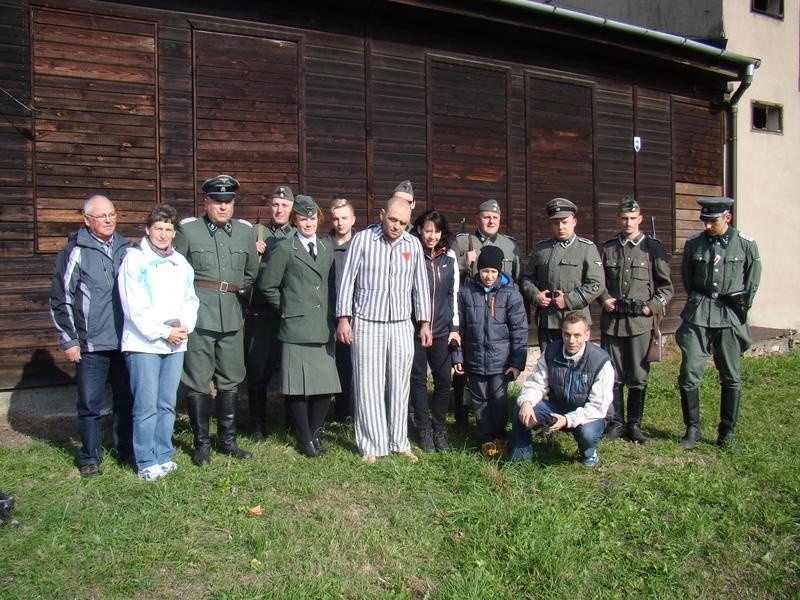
x=768, y=184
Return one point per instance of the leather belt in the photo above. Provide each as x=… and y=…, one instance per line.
x=220, y=286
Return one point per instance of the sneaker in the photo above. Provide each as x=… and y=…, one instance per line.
x=489, y=449
x=169, y=467
x=90, y=470
x=151, y=473
x=591, y=460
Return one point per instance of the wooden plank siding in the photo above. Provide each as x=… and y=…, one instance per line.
x=246, y=119
x=95, y=84
x=143, y=104
x=468, y=135
x=561, y=150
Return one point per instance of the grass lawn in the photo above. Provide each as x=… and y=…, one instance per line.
x=648, y=522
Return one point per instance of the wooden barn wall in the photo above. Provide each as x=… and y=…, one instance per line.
x=246, y=115
x=396, y=122
x=143, y=105
x=561, y=150
x=468, y=135
x=95, y=84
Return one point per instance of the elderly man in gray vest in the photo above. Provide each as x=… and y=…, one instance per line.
x=578, y=379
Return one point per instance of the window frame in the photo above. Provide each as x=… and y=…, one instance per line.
x=776, y=13
x=767, y=106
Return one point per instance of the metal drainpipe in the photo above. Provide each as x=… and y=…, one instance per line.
x=734, y=123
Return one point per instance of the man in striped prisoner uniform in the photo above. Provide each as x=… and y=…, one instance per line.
x=384, y=278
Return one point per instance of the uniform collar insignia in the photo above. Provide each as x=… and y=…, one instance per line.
x=633, y=243
x=483, y=238
x=212, y=228
x=566, y=243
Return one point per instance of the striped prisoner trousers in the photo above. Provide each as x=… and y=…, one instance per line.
x=382, y=355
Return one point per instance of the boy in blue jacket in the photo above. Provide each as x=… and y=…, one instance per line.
x=494, y=342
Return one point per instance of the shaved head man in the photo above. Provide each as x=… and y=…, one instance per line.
x=384, y=283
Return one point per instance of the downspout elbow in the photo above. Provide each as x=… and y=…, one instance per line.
x=747, y=80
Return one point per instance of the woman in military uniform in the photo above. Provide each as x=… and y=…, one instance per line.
x=299, y=280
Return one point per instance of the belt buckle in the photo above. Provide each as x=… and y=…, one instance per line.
x=223, y=286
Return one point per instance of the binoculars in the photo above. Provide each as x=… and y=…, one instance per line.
x=629, y=306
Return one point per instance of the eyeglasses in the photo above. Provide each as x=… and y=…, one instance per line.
x=107, y=217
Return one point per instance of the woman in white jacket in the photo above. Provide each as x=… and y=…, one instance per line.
x=156, y=286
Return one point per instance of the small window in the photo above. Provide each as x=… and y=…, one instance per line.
x=771, y=8
x=767, y=117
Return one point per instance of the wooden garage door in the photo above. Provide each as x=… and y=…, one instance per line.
x=95, y=89
x=560, y=150
x=468, y=145
x=247, y=114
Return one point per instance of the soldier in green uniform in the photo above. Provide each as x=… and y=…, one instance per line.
x=721, y=271
x=638, y=287
x=468, y=247
x=300, y=283
x=262, y=350
x=563, y=273
x=222, y=252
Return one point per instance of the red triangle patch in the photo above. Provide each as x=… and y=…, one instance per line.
x=406, y=255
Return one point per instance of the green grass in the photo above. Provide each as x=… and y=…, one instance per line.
x=649, y=522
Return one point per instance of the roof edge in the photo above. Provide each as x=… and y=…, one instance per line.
x=632, y=30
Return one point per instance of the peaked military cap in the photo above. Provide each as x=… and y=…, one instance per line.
x=305, y=206
x=558, y=208
x=405, y=191
x=221, y=187
x=490, y=205
x=283, y=191
x=628, y=204
x=712, y=207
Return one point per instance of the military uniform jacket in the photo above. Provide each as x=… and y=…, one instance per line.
x=714, y=267
x=511, y=254
x=302, y=288
x=271, y=234
x=572, y=266
x=637, y=269
x=218, y=255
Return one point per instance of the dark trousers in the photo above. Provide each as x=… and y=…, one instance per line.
x=91, y=375
x=438, y=357
x=343, y=408
x=490, y=403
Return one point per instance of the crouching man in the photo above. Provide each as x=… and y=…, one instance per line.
x=578, y=379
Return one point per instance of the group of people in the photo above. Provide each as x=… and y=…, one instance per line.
x=362, y=317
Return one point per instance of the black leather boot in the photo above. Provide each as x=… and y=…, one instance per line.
x=226, y=425
x=257, y=401
x=616, y=415
x=635, y=410
x=199, y=406
x=728, y=414
x=690, y=405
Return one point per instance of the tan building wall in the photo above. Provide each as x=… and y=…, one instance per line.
x=768, y=179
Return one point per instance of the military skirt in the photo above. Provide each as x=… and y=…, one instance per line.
x=309, y=369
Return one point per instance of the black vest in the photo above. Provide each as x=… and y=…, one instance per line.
x=570, y=381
